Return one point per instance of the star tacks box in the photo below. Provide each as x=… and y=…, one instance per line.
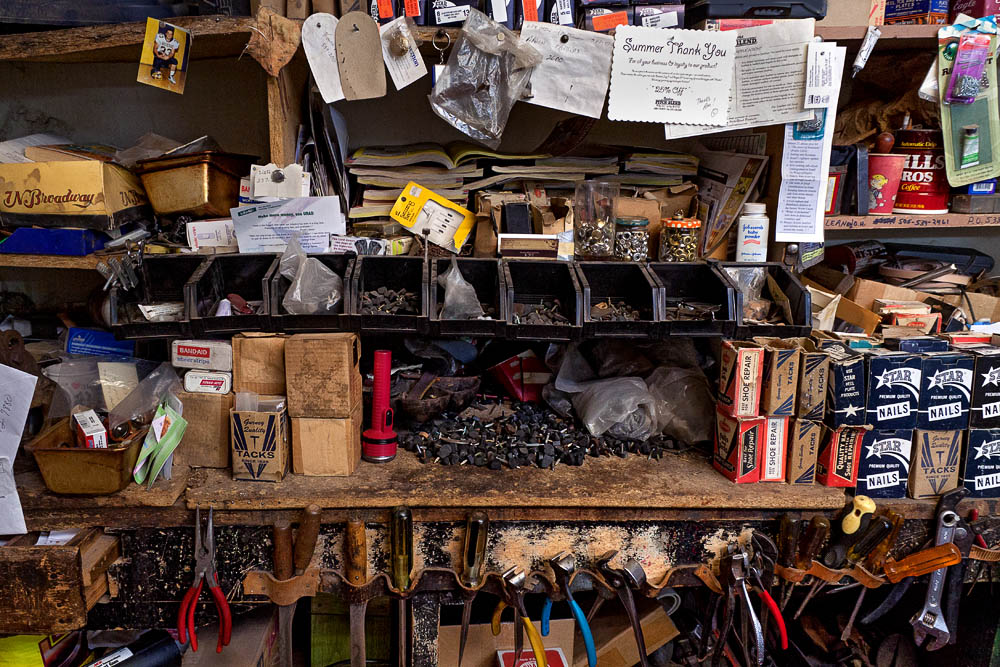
x=893, y=389
x=982, y=464
x=781, y=377
x=740, y=378
x=884, y=465
x=947, y=392
x=985, y=410
x=934, y=470
x=846, y=397
x=738, y=446
x=837, y=464
x=814, y=371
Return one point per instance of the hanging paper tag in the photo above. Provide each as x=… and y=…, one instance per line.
x=318, y=43
x=499, y=10
x=400, y=54
x=436, y=73
x=819, y=76
x=273, y=181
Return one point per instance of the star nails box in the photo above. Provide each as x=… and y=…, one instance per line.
x=947, y=391
x=845, y=402
x=982, y=463
x=893, y=389
x=985, y=411
x=738, y=446
x=884, y=466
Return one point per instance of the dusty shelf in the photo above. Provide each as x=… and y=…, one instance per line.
x=85, y=262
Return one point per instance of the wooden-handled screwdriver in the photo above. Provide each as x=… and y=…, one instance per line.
x=306, y=536
x=284, y=568
x=401, y=544
x=356, y=573
x=811, y=541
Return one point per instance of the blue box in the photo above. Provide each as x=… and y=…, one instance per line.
x=884, y=467
x=846, y=396
x=916, y=11
x=981, y=472
x=893, y=389
x=98, y=343
x=947, y=393
x=987, y=187
x=55, y=241
x=918, y=344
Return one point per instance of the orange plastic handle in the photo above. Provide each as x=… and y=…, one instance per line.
x=922, y=562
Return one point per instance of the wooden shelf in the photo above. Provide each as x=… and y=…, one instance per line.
x=84, y=263
x=924, y=509
x=213, y=36
x=910, y=221
x=895, y=36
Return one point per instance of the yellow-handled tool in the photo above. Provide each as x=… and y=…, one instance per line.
x=514, y=579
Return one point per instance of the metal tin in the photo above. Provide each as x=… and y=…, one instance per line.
x=205, y=184
x=208, y=382
x=214, y=355
x=924, y=185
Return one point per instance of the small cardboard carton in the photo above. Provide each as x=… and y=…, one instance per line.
x=774, y=456
x=482, y=646
x=260, y=441
x=738, y=446
x=326, y=447
x=206, y=440
x=985, y=410
x=917, y=344
x=936, y=456
x=90, y=430
x=259, y=363
x=781, y=378
x=804, y=438
x=893, y=389
x=947, y=392
x=814, y=372
x=206, y=355
x=845, y=396
x=885, y=463
x=741, y=378
x=330, y=389
x=837, y=464
x=982, y=464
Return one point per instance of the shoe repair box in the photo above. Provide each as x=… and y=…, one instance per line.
x=260, y=441
x=327, y=447
x=773, y=460
x=893, y=389
x=322, y=374
x=804, y=438
x=259, y=363
x=206, y=440
x=89, y=194
x=982, y=463
x=781, y=377
x=837, y=463
x=985, y=411
x=845, y=396
x=741, y=378
x=947, y=391
x=884, y=466
x=936, y=456
x=738, y=446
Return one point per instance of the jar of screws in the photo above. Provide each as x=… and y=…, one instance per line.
x=631, y=239
x=679, y=239
x=594, y=219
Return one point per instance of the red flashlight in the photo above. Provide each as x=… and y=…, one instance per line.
x=378, y=443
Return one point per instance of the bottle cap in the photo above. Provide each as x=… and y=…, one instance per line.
x=754, y=208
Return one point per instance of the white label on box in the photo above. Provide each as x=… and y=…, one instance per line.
x=451, y=14
x=991, y=410
x=208, y=382
x=883, y=480
x=661, y=20
x=774, y=450
x=945, y=411
x=747, y=384
x=987, y=481
x=565, y=9
x=212, y=234
x=893, y=411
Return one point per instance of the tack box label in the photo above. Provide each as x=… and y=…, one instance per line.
x=982, y=464
x=985, y=410
x=781, y=379
x=935, y=468
x=947, y=393
x=884, y=465
x=837, y=464
x=803, y=447
x=813, y=376
x=773, y=458
x=259, y=445
x=845, y=401
x=740, y=378
x=893, y=391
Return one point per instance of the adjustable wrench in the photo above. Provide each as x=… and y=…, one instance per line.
x=930, y=620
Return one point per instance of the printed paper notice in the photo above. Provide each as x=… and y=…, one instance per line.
x=15, y=401
x=805, y=167
x=769, y=78
x=267, y=227
x=671, y=76
x=575, y=69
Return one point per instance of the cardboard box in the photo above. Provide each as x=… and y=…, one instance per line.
x=260, y=444
x=259, y=363
x=781, y=378
x=974, y=8
x=90, y=430
x=643, y=208
x=254, y=642
x=837, y=463
x=206, y=355
x=327, y=447
x=985, y=410
x=845, y=396
x=481, y=648
x=884, y=466
x=981, y=473
x=893, y=389
x=947, y=393
x=916, y=12
x=615, y=641
x=329, y=389
x=936, y=456
x=741, y=378
x=738, y=446
x=774, y=456
x=804, y=439
x=88, y=194
x=554, y=657
x=814, y=372
x=925, y=324
x=206, y=440
x=917, y=344
x=853, y=13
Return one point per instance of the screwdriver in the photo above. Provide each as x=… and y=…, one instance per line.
x=811, y=541
x=879, y=532
x=401, y=545
x=788, y=541
x=876, y=559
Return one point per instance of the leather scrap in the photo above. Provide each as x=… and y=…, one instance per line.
x=820, y=571
x=274, y=41
x=359, y=57
x=987, y=555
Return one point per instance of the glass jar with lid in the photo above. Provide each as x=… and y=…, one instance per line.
x=679, y=239
x=594, y=219
x=632, y=239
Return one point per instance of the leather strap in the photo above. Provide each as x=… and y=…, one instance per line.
x=987, y=555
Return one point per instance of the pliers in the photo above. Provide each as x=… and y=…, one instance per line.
x=513, y=596
x=563, y=566
x=204, y=571
x=623, y=581
x=765, y=554
x=733, y=569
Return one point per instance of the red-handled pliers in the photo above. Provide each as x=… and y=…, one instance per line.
x=776, y=613
x=204, y=571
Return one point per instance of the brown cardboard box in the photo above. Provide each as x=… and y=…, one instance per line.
x=804, y=438
x=260, y=444
x=934, y=463
x=615, y=641
x=837, y=464
x=740, y=378
x=853, y=13
x=323, y=375
x=326, y=447
x=206, y=441
x=259, y=363
x=254, y=641
x=781, y=377
x=643, y=208
x=481, y=648
x=814, y=373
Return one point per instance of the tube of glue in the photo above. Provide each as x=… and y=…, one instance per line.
x=867, y=46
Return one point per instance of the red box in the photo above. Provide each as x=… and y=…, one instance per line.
x=928, y=324
x=838, y=460
x=738, y=444
x=523, y=376
x=774, y=453
x=553, y=656
x=974, y=8
x=741, y=378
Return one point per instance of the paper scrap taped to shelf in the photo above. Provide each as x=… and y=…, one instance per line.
x=575, y=68
x=769, y=78
x=267, y=227
x=270, y=180
x=805, y=167
x=426, y=213
x=671, y=76
x=408, y=67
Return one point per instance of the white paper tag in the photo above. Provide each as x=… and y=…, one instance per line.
x=819, y=76
x=271, y=180
x=318, y=43
x=662, y=20
x=407, y=68
x=452, y=14
x=158, y=425
x=436, y=73
x=565, y=9
x=499, y=10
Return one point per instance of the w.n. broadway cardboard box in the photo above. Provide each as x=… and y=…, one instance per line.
x=936, y=455
x=837, y=464
x=740, y=378
x=781, y=378
x=260, y=441
x=773, y=457
x=985, y=410
x=259, y=363
x=803, y=447
x=893, y=389
x=982, y=464
x=947, y=392
x=845, y=396
x=323, y=375
x=885, y=463
x=738, y=446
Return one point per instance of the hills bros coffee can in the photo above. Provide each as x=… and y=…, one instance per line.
x=924, y=186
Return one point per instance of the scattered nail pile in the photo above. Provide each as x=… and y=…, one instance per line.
x=614, y=311
x=690, y=310
x=385, y=301
x=547, y=312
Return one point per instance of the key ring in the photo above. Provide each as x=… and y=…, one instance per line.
x=447, y=44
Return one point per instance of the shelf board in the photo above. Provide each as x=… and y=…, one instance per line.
x=86, y=262
x=896, y=35
x=905, y=221
x=924, y=508
x=213, y=36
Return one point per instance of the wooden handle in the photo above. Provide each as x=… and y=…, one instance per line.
x=884, y=142
x=305, y=538
x=356, y=553
x=282, y=550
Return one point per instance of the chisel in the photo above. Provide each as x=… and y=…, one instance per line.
x=305, y=538
x=356, y=573
x=283, y=569
x=473, y=557
x=401, y=542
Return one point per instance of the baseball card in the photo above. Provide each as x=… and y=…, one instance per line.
x=165, y=54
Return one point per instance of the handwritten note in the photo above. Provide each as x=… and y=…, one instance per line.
x=321, y=53
x=16, y=391
x=575, y=69
x=671, y=76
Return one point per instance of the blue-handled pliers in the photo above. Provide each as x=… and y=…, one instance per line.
x=563, y=566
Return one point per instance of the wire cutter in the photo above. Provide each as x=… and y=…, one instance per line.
x=563, y=565
x=631, y=575
x=204, y=571
x=733, y=570
x=513, y=596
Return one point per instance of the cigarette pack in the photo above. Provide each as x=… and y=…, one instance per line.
x=804, y=438
x=740, y=378
x=893, y=389
x=947, y=393
x=211, y=355
x=837, y=464
x=884, y=465
x=982, y=463
x=936, y=457
x=774, y=458
x=737, y=446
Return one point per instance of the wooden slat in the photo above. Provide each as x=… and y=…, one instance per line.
x=84, y=263
x=97, y=557
x=285, y=94
x=36, y=498
x=911, y=221
x=42, y=591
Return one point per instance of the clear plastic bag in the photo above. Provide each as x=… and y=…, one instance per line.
x=460, y=299
x=621, y=407
x=315, y=289
x=683, y=403
x=161, y=385
x=487, y=72
x=94, y=383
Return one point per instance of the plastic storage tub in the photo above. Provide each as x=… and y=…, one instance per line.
x=619, y=281
x=343, y=266
x=532, y=282
x=486, y=277
x=394, y=273
x=163, y=279
x=697, y=282
x=246, y=275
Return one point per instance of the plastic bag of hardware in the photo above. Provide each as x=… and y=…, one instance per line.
x=460, y=299
x=162, y=385
x=620, y=407
x=487, y=72
x=94, y=383
x=315, y=289
x=683, y=403
x=751, y=280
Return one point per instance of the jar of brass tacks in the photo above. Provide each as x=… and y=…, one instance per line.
x=594, y=219
x=632, y=239
x=679, y=239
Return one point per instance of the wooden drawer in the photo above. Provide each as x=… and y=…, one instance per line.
x=50, y=588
